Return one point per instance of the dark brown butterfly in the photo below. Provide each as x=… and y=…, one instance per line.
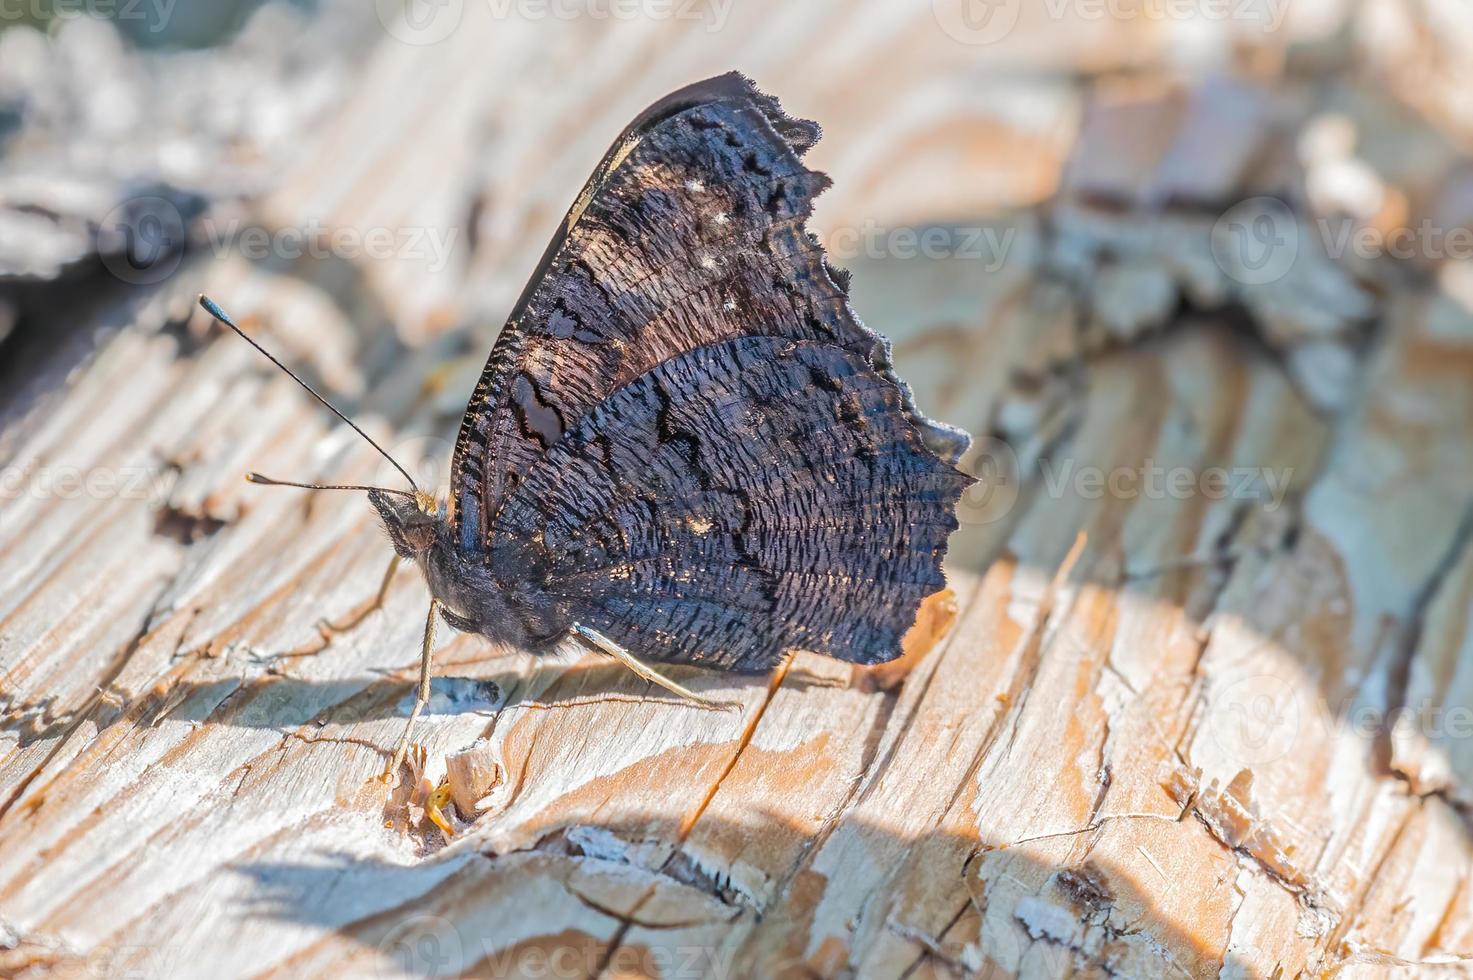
x=684, y=445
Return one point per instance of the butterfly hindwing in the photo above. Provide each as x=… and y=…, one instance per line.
x=737, y=501
x=691, y=232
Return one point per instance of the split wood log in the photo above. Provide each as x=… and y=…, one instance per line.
x=1224, y=543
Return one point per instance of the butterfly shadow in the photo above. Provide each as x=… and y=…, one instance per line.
x=287, y=703
x=988, y=908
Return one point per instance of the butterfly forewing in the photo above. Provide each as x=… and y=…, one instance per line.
x=690, y=232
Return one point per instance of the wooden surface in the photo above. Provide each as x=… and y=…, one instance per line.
x=1227, y=734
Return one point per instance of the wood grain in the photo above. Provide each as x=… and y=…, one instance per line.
x=1227, y=735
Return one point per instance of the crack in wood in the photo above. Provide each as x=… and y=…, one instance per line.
x=689, y=823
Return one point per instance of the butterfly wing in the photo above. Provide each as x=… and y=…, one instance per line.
x=737, y=501
x=690, y=232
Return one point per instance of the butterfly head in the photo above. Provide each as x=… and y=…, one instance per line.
x=412, y=522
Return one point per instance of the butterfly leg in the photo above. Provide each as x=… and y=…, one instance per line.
x=605, y=645
x=421, y=694
x=378, y=602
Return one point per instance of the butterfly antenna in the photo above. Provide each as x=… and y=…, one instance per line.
x=213, y=309
x=267, y=481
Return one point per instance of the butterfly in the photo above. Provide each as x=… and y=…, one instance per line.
x=685, y=448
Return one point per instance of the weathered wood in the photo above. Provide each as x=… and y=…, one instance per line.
x=1165, y=751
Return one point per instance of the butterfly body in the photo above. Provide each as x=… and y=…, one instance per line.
x=478, y=592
